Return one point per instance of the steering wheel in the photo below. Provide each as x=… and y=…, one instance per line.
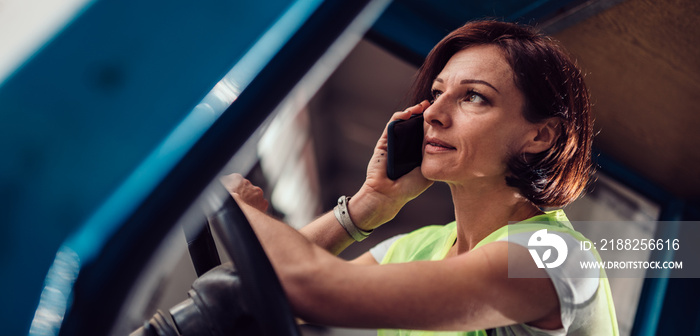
x=225, y=301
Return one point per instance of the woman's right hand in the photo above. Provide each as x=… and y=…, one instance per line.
x=239, y=186
x=380, y=198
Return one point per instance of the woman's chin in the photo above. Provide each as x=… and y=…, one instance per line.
x=432, y=172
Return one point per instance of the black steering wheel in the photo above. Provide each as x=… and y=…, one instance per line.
x=246, y=298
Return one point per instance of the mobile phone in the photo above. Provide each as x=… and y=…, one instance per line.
x=405, y=146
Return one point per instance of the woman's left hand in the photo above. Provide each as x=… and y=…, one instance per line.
x=381, y=198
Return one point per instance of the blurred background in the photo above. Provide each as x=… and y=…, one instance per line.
x=108, y=108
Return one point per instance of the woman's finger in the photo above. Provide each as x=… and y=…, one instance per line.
x=415, y=109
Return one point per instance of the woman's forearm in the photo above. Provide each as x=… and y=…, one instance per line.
x=282, y=243
x=327, y=233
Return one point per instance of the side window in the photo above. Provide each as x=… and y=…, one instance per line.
x=628, y=215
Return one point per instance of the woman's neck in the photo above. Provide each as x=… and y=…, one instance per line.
x=482, y=207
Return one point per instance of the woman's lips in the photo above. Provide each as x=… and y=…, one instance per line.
x=434, y=145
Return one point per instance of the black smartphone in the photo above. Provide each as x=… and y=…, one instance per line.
x=405, y=147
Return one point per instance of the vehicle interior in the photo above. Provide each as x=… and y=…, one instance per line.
x=120, y=116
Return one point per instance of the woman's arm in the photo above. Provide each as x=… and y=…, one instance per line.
x=470, y=291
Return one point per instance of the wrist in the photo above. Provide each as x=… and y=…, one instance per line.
x=342, y=214
x=368, y=210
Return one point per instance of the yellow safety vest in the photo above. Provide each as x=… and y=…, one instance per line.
x=433, y=242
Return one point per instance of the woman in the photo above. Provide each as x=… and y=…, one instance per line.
x=507, y=127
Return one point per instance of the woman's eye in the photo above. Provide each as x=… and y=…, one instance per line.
x=475, y=98
x=435, y=94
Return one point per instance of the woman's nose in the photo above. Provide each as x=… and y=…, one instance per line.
x=436, y=114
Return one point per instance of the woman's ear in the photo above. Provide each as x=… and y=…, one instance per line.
x=543, y=136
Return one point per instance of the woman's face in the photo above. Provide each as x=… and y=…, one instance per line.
x=475, y=123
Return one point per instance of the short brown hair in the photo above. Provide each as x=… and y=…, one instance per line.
x=553, y=86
